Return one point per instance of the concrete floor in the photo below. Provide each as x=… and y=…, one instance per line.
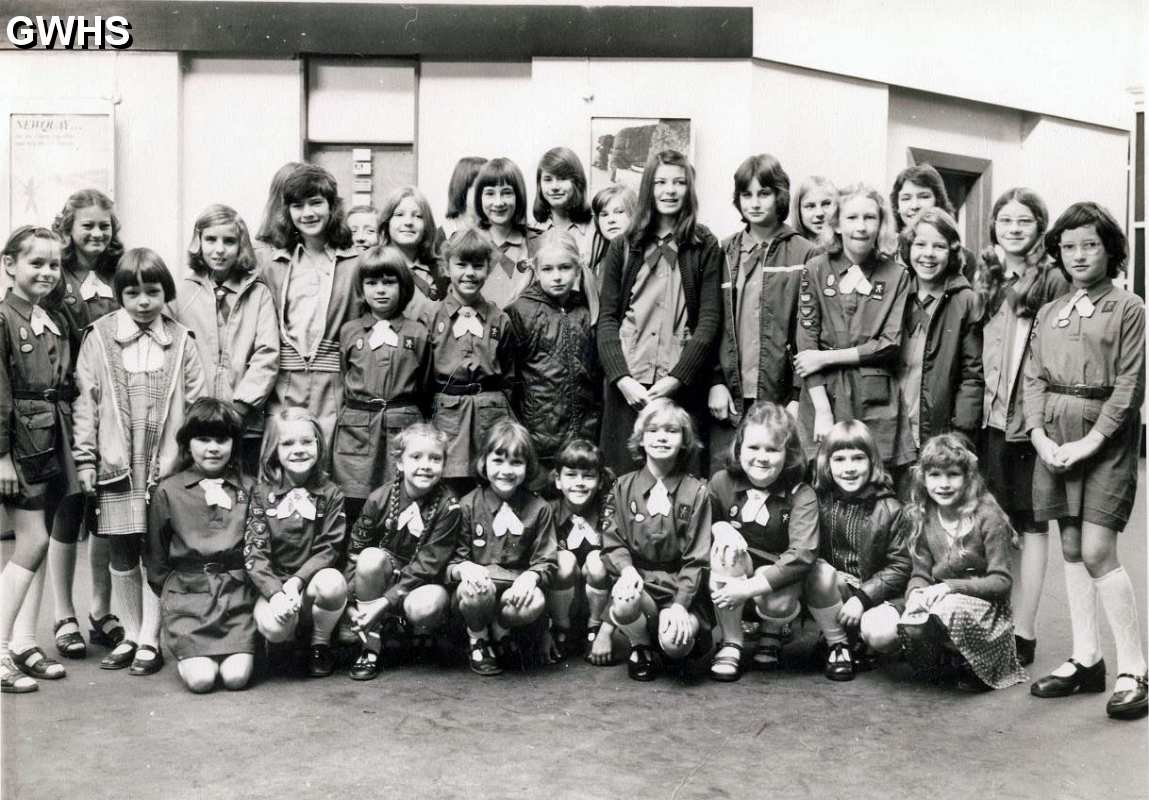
x=577, y=731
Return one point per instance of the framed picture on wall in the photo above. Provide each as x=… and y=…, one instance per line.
x=620, y=146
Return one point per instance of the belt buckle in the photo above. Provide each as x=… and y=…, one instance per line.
x=213, y=568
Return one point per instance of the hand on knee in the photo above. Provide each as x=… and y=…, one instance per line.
x=626, y=612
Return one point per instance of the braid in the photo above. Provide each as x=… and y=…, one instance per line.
x=391, y=518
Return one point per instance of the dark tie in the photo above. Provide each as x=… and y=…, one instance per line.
x=919, y=315
x=222, y=310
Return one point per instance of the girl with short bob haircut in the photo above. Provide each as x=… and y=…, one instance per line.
x=957, y=598
x=461, y=197
x=649, y=352
x=501, y=211
x=1084, y=386
x=1014, y=279
x=194, y=556
x=506, y=554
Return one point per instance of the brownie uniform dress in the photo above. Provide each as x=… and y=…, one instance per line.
x=293, y=532
x=507, y=537
x=473, y=366
x=36, y=393
x=668, y=543
x=194, y=561
x=841, y=305
x=420, y=536
x=1086, y=371
x=581, y=533
x=386, y=367
x=781, y=528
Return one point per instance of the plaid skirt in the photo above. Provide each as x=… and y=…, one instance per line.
x=122, y=507
x=981, y=631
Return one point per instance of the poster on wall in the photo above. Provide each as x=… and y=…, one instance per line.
x=51, y=155
x=620, y=146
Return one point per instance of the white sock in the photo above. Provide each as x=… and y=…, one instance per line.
x=1116, y=592
x=24, y=630
x=559, y=602
x=62, y=572
x=99, y=562
x=596, y=600
x=14, y=583
x=827, y=619
x=323, y=623
x=1081, y=595
x=127, y=600
x=774, y=625
x=150, y=621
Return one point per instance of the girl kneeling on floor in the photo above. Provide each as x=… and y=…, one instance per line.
x=295, y=538
x=854, y=590
x=765, y=531
x=506, y=552
x=958, y=593
x=194, y=553
x=400, y=546
x=582, y=506
x=655, y=545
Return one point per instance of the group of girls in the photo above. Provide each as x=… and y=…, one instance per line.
x=363, y=422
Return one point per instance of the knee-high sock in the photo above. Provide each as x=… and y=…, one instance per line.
x=596, y=600
x=150, y=622
x=99, y=561
x=1081, y=595
x=127, y=600
x=323, y=623
x=827, y=619
x=559, y=603
x=24, y=631
x=14, y=583
x=1116, y=592
x=61, y=574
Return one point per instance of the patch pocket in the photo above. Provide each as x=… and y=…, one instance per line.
x=396, y=420
x=34, y=433
x=873, y=386
x=353, y=432
x=446, y=414
x=490, y=407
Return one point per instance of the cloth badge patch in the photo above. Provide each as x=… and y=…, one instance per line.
x=829, y=292
x=494, y=332
x=806, y=297
x=684, y=511
x=829, y=280
x=408, y=343
x=1108, y=306
x=26, y=348
x=807, y=311
x=359, y=343
x=807, y=323
x=879, y=290
x=442, y=326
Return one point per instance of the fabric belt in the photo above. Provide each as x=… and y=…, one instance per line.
x=63, y=394
x=1088, y=392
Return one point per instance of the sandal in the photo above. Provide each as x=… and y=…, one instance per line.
x=107, y=631
x=71, y=644
x=768, y=656
x=12, y=680
x=33, y=663
x=365, y=667
x=146, y=666
x=727, y=663
x=483, y=660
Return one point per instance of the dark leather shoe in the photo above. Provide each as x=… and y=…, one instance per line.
x=1131, y=703
x=1083, y=679
x=114, y=660
x=642, y=664
x=147, y=666
x=840, y=663
x=321, y=663
x=483, y=659
x=1026, y=650
x=365, y=667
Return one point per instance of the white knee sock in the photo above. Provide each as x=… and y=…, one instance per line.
x=1082, y=597
x=62, y=573
x=99, y=561
x=323, y=623
x=24, y=631
x=14, y=583
x=1116, y=592
x=827, y=619
x=127, y=601
x=150, y=622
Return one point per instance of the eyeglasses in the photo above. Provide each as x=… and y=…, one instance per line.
x=1090, y=248
x=1021, y=222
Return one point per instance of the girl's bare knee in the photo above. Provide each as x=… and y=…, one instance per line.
x=235, y=671
x=594, y=572
x=328, y=589
x=426, y=607
x=568, y=571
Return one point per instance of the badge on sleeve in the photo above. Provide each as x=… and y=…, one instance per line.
x=829, y=292
x=807, y=323
x=806, y=297
x=733, y=511
x=808, y=311
x=70, y=299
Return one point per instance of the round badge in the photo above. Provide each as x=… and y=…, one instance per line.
x=829, y=292
x=442, y=326
x=479, y=542
x=633, y=507
x=829, y=280
x=70, y=299
x=23, y=334
x=1061, y=323
x=359, y=343
x=478, y=529
x=271, y=497
x=733, y=511
x=639, y=518
x=25, y=348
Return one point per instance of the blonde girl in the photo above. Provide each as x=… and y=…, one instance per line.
x=815, y=207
